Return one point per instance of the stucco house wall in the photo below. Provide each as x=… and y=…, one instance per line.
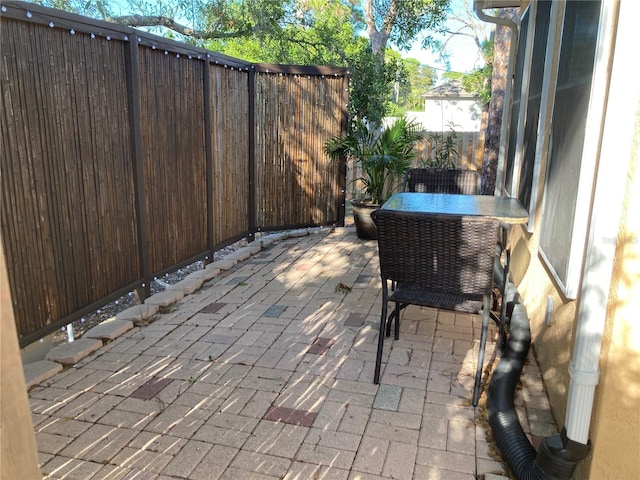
x=615, y=427
x=614, y=433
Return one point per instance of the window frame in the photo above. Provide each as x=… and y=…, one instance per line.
x=569, y=283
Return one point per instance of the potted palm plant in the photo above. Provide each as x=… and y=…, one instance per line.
x=382, y=155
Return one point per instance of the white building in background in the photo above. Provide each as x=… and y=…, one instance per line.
x=449, y=106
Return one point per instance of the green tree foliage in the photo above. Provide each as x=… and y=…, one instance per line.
x=305, y=32
x=397, y=22
x=478, y=81
x=81, y=7
x=400, y=21
x=419, y=79
x=370, y=89
x=320, y=32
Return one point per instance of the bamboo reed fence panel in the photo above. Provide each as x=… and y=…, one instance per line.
x=126, y=155
x=68, y=221
x=296, y=182
x=229, y=110
x=172, y=106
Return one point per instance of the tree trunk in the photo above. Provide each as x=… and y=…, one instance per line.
x=378, y=38
x=496, y=105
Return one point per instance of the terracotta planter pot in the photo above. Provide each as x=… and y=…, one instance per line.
x=365, y=228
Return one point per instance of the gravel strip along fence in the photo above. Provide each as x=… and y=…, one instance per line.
x=126, y=301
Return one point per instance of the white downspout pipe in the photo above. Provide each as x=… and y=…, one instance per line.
x=619, y=112
x=478, y=6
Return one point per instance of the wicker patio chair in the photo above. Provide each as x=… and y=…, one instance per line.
x=465, y=182
x=435, y=261
x=440, y=180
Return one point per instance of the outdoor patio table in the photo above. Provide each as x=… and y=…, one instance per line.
x=505, y=209
x=508, y=211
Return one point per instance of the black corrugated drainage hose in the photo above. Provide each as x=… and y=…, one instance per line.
x=553, y=461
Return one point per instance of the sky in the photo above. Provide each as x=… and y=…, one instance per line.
x=464, y=55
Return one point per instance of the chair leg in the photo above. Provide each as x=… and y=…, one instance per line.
x=390, y=319
x=389, y=322
x=383, y=322
x=504, y=244
x=396, y=333
x=486, y=304
x=503, y=303
x=395, y=314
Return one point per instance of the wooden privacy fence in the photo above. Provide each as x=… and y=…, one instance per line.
x=126, y=156
x=469, y=145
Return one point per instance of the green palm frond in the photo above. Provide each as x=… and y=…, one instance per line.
x=383, y=155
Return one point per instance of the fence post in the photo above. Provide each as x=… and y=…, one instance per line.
x=344, y=130
x=208, y=155
x=137, y=149
x=251, y=163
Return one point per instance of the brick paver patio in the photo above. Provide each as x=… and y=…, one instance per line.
x=265, y=372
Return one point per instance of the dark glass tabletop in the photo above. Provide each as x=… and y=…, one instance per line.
x=504, y=209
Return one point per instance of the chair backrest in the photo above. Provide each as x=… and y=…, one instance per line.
x=443, y=253
x=440, y=180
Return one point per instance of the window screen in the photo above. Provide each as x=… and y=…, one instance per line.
x=533, y=102
x=524, y=171
x=575, y=72
x=515, y=105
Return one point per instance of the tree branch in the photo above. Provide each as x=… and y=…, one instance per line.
x=170, y=23
x=390, y=18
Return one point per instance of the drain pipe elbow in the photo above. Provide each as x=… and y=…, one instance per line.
x=479, y=6
x=503, y=419
x=557, y=456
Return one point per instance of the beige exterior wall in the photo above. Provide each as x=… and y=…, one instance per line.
x=615, y=423
x=552, y=343
x=615, y=429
